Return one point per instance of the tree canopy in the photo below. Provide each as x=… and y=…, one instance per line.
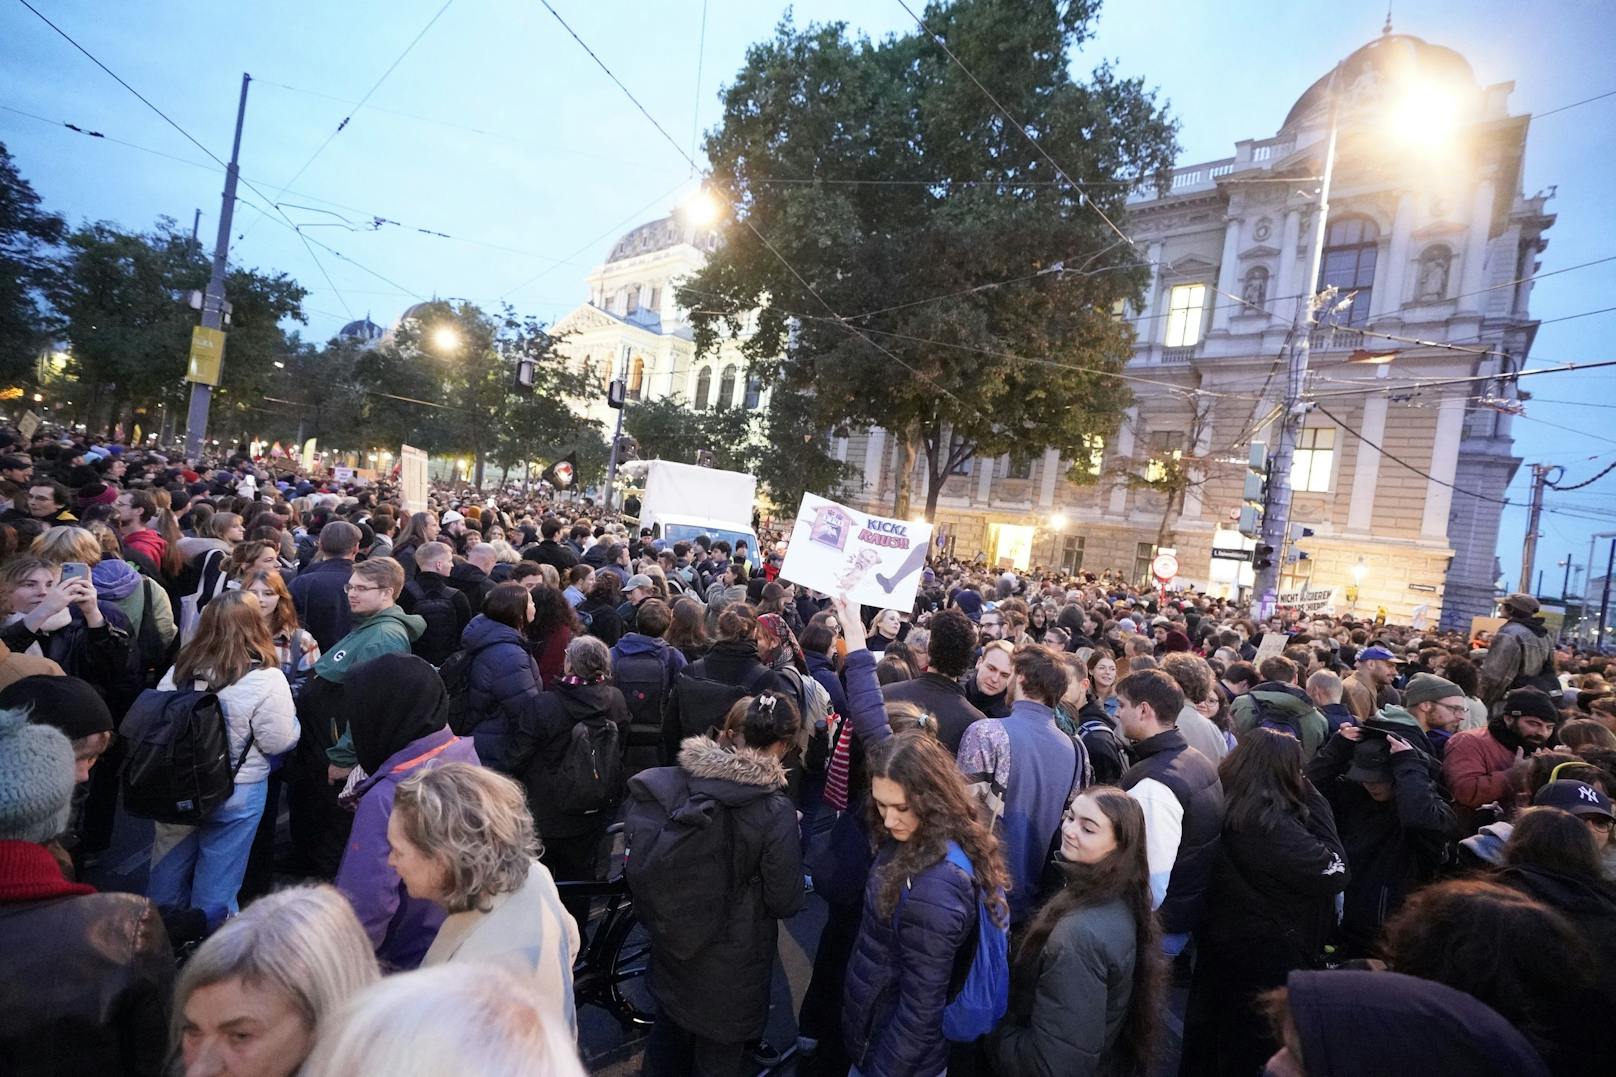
x=879, y=200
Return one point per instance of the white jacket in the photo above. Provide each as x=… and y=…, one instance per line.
x=528, y=932
x=259, y=702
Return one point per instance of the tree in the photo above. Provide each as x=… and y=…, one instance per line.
x=842, y=275
x=26, y=235
x=795, y=457
x=669, y=429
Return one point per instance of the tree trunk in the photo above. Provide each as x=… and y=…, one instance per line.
x=1175, y=504
x=477, y=471
x=906, y=472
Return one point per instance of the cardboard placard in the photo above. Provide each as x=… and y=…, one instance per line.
x=412, y=478
x=874, y=560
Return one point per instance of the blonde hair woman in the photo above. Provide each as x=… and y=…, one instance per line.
x=256, y=994
x=119, y=585
x=452, y=1019
x=462, y=838
x=201, y=867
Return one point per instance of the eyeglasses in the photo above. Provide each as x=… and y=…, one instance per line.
x=355, y=588
x=1455, y=708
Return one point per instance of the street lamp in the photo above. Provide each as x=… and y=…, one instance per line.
x=445, y=338
x=1058, y=521
x=1420, y=105
x=702, y=208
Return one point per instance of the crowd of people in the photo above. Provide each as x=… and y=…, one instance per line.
x=1060, y=824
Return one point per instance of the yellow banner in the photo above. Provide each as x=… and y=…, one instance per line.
x=207, y=356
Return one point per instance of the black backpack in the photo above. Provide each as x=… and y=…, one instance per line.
x=643, y=680
x=680, y=866
x=177, y=768
x=703, y=702
x=589, y=778
x=456, y=675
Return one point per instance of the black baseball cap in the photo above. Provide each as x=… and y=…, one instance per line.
x=1578, y=798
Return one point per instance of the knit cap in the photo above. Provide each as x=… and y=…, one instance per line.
x=36, y=779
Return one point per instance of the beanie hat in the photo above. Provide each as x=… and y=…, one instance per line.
x=36, y=779
x=96, y=493
x=67, y=703
x=1428, y=688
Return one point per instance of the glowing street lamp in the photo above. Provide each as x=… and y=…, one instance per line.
x=445, y=338
x=703, y=208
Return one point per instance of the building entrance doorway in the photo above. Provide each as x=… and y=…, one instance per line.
x=1010, y=546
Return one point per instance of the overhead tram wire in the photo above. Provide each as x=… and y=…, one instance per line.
x=368, y=93
x=772, y=249
x=65, y=36
x=1405, y=464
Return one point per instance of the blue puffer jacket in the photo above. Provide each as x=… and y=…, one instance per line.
x=504, y=684
x=898, y=978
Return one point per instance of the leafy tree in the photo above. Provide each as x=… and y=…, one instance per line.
x=27, y=234
x=841, y=274
x=669, y=429
x=795, y=457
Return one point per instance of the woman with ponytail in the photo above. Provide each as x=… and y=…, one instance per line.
x=1086, y=984
x=920, y=907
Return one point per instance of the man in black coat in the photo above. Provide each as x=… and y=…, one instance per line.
x=551, y=552
x=938, y=690
x=320, y=591
x=470, y=577
x=445, y=609
x=1393, y=818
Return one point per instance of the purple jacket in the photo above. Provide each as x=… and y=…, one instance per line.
x=400, y=927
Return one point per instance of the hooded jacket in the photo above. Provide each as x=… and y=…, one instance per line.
x=1286, y=700
x=472, y=582
x=502, y=687
x=729, y=662
x=400, y=730
x=723, y=992
x=1352, y=1023
x=638, y=643
x=1521, y=648
x=1392, y=846
x=390, y=631
x=146, y=547
x=538, y=743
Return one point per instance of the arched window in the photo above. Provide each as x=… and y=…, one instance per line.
x=1350, y=247
x=704, y=387
x=1254, y=289
x=754, y=391
x=636, y=377
x=726, y=387
x=1431, y=282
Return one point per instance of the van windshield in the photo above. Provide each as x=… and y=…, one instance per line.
x=672, y=533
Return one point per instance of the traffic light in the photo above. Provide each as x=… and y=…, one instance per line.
x=1255, y=492
x=526, y=370
x=1297, y=533
x=616, y=392
x=1262, y=556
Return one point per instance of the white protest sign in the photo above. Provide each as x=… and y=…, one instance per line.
x=1272, y=643
x=412, y=478
x=875, y=560
x=1320, y=601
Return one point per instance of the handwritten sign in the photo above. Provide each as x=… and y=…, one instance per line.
x=876, y=560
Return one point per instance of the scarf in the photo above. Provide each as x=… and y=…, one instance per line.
x=1503, y=734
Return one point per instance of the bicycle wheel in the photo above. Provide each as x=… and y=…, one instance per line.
x=630, y=962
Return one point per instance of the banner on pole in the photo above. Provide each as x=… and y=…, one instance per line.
x=875, y=560
x=207, y=355
x=1321, y=601
x=412, y=477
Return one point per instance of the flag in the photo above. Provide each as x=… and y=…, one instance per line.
x=562, y=473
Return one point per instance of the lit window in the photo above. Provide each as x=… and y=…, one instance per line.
x=1072, y=554
x=1094, y=452
x=1314, y=460
x=636, y=378
x=1185, y=305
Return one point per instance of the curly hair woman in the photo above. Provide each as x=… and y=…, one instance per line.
x=920, y=907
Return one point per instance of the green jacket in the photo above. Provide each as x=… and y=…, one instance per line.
x=389, y=632
x=1288, y=701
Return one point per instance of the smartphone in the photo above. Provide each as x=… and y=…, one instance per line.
x=75, y=570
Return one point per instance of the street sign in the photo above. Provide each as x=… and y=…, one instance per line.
x=207, y=355
x=1164, y=567
x=1226, y=553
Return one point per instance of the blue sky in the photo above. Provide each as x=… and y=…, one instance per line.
x=560, y=162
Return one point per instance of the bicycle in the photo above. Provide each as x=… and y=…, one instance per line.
x=615, y=957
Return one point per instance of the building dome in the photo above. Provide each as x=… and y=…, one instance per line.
x=364, y=330
x=415, y=310
x=661, y=235
x=1388, y=60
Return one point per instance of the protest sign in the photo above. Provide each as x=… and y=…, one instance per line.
x=1320, y=601
x=1272, y=643
x=412, y=477
x=875, y=560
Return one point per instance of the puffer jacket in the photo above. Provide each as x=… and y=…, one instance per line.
x=503, y=686
x=1168, y=767
x=259, y=704
x=723, y=992
x=537, y=744
x=898, y=977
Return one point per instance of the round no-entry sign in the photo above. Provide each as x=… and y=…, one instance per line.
x=1164, y=567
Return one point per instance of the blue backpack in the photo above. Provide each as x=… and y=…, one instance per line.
x=985, y=995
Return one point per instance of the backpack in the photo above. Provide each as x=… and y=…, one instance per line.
x=813, y=701
x=152, y=655
x=456, y=675
x=984, y=996
x=178, y=767
x=680, y=867
x=703, y=702
x=643, y=680
x=589, y=778
x=1268, y=717
x=437, y=609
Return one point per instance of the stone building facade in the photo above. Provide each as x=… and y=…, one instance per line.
x=1405, y=451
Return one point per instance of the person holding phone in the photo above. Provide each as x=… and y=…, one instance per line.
x=55, y=614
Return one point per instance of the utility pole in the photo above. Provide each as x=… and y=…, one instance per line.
x=1565, y=585
x=1604, y=601
x=615, y=397
x=1277, y=509
x=196, y=417
x=1540, y=479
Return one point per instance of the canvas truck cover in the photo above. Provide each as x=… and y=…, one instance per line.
x=723, y=498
